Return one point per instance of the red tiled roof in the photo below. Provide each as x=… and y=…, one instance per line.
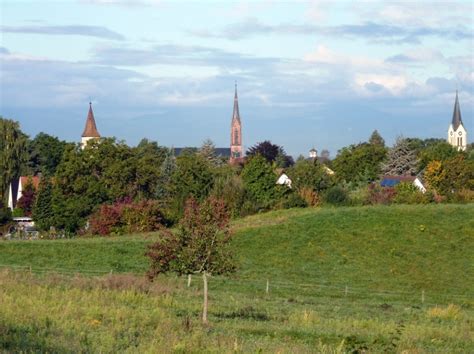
x=90, y=130
x=35, y=180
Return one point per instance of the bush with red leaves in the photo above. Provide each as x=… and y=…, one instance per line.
x=125, y=216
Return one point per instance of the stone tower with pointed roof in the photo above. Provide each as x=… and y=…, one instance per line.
x=90, y=130
x=236, y=151
x=457, y=134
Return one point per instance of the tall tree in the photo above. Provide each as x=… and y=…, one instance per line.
x=359, y=163
x=13, y=153
x=376, y=139
x=402, y=160
x=267, y=150
x=43, y=209
x=208, y=151
x=167, y=168
x=45, y=153
x=260, y=180
x=200, y=245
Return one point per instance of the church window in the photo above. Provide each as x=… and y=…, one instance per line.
x=236, y=137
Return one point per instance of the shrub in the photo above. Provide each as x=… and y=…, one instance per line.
x=336, y=196
x=231, y=190
x=293, y=200
x=143, y=216
x=380, y=195
x=18, y=212
x=408, y=193
x=359, y=195
x=125, y=216
x=310, y=196
x=463, y=196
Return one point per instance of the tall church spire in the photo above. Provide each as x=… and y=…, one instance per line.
x=236, y=150
x=457, y=120
x=90, y=130
x=236, y=113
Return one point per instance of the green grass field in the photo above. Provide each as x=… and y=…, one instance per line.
x=393, y=279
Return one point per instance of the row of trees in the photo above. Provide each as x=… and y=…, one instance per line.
x=111, y=184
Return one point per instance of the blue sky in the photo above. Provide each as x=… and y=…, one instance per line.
x=310, y=73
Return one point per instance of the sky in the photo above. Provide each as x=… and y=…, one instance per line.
x=310, y=74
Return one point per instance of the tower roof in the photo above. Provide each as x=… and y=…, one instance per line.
x=457, y=120
x=236, y=114
x=90, y=130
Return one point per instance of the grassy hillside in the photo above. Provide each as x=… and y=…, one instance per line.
x=385, y=278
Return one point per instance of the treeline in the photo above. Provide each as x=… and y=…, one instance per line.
x=110, y=187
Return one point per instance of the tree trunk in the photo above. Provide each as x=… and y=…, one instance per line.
x=189, y=280
x=204, y=307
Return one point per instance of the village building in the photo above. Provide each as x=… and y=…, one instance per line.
x=457, y=134
x=17, y=186
x=313, y=156
x=90, y=130
x=392, y=181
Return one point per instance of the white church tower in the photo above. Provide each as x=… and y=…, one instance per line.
x=457, y=134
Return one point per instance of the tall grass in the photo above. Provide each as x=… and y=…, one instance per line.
x=368, y=278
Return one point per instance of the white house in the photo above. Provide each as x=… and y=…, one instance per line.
x=392, y=181
x=457, y=134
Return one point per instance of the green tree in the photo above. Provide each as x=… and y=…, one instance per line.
x=440, y=151
x=43, y=209
x=309, y=174
x=13, y=153
x=45, y=153
x=450, y=176
x=376, y=139
x=200, y=245
x=192, y=177
x=260, y=180
x=359, y=164
x=163, y=188
x=208, y=152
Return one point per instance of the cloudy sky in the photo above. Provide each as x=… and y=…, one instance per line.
x=309, y=73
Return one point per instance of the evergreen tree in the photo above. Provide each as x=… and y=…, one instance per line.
x=402, y=160
x=166, y=172
x=376, y=139
x=43, y=209
x=208, y=151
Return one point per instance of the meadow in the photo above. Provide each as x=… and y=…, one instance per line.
x=375, y=279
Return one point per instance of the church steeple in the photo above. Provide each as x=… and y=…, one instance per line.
x=90, y=130
x=236, y=113
x=457, y=120
x=236, y=150
x=457, y=134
